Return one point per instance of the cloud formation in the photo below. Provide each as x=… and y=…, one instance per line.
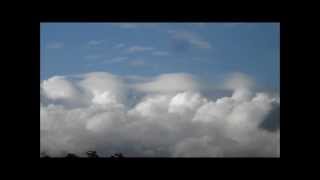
x=190, y=38
x=168, y=83
x=139, y=49
x=163, y=116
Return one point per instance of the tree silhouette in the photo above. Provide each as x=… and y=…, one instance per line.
x=117, y=155
x=90, y=154
x=70, y=155
x=44, y=155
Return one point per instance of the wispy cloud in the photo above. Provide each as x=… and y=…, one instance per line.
x=120, y=45
x=55, y=45
x=133, y=49
x=95, y=42
x=191, y=38
x=160, y=53
x=115, y=60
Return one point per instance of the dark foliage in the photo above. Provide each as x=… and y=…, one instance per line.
x=90, y=154
x=70, y=155
x=117, y=155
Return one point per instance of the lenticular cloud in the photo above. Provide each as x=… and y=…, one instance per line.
x=164, y=116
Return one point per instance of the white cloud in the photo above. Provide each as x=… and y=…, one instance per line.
x=58, y=87
x=241, y=84
x=186, y=103
x=103, y=85
x=152, y=106
x=55, y=45
x=191, y=38
x=236, y=81
x=169, y=118
x=173, y=82
x=139, y=49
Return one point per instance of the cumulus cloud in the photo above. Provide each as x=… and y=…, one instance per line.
x=241, y=84
x=162, y=116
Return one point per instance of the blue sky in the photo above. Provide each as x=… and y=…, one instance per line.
x=207, y=50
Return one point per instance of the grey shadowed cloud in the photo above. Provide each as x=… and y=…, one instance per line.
x=272, y=120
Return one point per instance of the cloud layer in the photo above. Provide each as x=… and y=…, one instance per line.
x=163, y=116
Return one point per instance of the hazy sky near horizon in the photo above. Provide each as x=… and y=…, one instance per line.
x=207, y=50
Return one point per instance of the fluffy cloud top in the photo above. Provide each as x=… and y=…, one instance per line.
x=164, y=116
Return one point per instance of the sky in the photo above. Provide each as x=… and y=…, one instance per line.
x=160, y=89
x=208, y=50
